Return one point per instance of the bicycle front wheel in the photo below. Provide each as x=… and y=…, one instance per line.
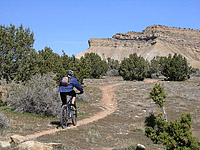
x=64, y=116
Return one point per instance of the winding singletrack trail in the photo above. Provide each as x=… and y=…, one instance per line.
x=108, y=101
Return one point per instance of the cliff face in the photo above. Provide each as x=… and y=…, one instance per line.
x=153, y=41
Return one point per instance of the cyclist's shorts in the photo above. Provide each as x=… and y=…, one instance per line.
x=63, y=95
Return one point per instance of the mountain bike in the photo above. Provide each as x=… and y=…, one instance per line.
x=66, y=114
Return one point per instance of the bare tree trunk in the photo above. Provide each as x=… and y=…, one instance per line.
x=164, y=114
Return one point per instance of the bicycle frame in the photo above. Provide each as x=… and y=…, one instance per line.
x=66, y=114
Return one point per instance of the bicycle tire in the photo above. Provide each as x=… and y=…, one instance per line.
x=74, y=117
x=64, y=116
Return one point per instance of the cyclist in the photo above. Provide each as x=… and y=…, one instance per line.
x=68, y=89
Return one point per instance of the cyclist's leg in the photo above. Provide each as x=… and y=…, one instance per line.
x=73, y=94
x=63, y=96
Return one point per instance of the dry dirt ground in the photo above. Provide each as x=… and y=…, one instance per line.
x=114, y=116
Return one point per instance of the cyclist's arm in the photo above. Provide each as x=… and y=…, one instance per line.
x=78, y=86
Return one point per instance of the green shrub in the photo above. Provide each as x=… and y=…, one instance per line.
x=158, y=95
x=39, y=95
x=134, y=68
x=1, y=102
x=91, y=66
x=156, y=66
x=174, y=135
x=176, y=68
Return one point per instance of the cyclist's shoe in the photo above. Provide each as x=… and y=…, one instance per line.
x=73, y=107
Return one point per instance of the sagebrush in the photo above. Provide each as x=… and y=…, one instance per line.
x=39, y=95
x=4, y=122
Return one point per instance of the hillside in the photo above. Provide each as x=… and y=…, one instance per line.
x=153, y=41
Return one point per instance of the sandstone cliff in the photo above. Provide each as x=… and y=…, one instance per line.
x=153, y=41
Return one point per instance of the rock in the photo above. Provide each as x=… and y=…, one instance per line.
x=153, y=41
x=17, y=139
x=140, y=147
x=33, y=145
x=4, y=144
x=56, y=145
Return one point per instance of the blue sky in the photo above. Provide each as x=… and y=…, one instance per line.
x=69, y=24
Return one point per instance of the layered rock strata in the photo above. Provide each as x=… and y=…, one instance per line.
x=153, y=41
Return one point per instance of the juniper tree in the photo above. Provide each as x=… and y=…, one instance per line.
x=134, y=68
x=176, y=68
x=92, y=66
x=158, y=95
x=175, y=134
x=17, y=56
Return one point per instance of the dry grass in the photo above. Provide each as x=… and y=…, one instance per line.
x=123, y=128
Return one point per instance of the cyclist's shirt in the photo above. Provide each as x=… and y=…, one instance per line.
x=72, y=83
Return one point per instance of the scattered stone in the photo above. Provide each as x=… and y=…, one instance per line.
x=33, y=145
x=56, y=145
x=4, y=144
x=17, y=139
x=140, y=147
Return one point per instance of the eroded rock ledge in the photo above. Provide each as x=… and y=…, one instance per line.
x=153, y=41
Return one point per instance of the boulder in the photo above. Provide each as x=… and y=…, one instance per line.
x=17, y=139
x=33, y=145
x=4, y=144
x=140, y=147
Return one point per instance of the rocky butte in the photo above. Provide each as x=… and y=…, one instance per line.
x=154, y=41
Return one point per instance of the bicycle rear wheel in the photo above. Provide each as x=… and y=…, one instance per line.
x=64, y=116
x=74, y=117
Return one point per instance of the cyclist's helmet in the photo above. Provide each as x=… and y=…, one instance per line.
x=70, y=73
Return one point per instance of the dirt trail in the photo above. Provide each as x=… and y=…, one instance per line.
x=108, y=101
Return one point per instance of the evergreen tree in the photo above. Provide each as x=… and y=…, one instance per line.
x=175, y=135
x=134, y=68
x=112, y=64
x=158, y=95
x=91, y=66
x=16, y=49
x=176, y=68
x=156, y=65
x=49, y=61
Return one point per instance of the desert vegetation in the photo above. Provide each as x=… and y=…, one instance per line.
x=32, y=83
x=174, y=134
x=19, y=61
x=4, y=122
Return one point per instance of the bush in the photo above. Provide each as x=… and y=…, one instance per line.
x=176, y=68
x=4, y=122
x=91, y=66
x=112, y=72
x=174, y=135
x=39, y=95
x=134, y=68
x=1, y=102
x=156, y=66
